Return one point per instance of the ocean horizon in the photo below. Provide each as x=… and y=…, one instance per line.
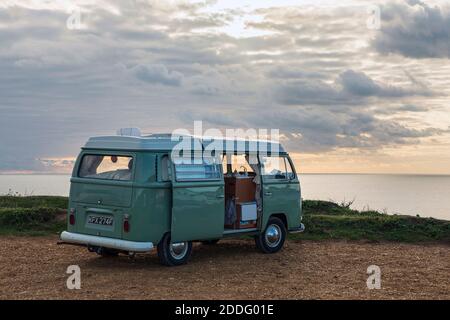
x=425, y=195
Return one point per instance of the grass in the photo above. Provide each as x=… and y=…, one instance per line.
x=11, y=201
x=43, y=215
x=328, y=220
x=32, y=215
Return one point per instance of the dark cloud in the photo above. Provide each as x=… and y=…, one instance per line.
x=349, y=88
x=414, y=29
x=158, y=74
x=310, y=129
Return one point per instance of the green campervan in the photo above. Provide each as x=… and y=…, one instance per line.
x=130, y=194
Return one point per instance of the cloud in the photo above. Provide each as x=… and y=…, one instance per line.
x=312, y=75
x=310, y=129
x=414, y=29
x=412, y=108
x=204, y=89
x=359, y=84
x=158, y=74
x=292, y=73
x=350, y=87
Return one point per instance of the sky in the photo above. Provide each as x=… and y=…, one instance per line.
x=353, y=86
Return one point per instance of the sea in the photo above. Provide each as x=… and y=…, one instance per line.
x=423, y=195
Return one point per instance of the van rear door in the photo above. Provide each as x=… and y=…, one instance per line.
x=198, y=205
x=101, y=192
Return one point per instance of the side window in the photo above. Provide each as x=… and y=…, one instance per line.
x=225, y=164
x=239, y=163
x=289, y=171
x=108, y=167
x=208, y=170
x=165, y=167
x=275, y=167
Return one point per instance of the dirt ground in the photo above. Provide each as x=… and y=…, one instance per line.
x=35, y=268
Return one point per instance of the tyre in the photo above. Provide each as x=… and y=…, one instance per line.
x=210, y=242
x=273, y=237
x=173, y=254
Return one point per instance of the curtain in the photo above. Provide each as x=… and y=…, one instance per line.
x=90, y=165
x=257, y=181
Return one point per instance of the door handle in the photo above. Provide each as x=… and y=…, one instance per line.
x=220, y=196
x=267, y=193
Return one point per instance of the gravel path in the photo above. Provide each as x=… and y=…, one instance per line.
x=34, y=268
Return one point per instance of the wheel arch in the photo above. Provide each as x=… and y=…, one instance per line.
x=282, y=216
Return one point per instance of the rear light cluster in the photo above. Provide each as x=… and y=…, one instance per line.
x=72, y=216
x=126, y=223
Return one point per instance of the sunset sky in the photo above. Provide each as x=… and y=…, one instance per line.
x=349, y=93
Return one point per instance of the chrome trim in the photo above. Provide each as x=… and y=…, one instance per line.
x=112, y=243
x=299, y=229
x=273, y=235
x=178, y=250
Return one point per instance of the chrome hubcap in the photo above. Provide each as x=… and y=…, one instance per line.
x=273, y=235
x=178, y=250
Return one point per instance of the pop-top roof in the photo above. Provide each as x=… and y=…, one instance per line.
x=166, y=142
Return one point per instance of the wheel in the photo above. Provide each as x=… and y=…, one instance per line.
x=104, y=252
x=210, y=242
x=173, y=254
x=273, y=237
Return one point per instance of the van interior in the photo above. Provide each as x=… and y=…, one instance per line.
x=242, y=191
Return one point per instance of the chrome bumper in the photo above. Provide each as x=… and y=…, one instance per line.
x=88, y=240
x=299, y=229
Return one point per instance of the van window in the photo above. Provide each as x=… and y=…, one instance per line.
x=202, y=171
x=277, y=168
x=239, y=163
x=289, y=171
x=109, y=167
x=165, y=165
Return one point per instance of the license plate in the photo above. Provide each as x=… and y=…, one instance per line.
x=101, y=220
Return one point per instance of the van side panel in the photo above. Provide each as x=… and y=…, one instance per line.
x=151, y=211
x=151, y=214
x=285, y=199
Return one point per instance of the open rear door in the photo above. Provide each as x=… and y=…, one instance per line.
x=198, y=205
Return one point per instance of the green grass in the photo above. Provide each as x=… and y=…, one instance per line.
x=43, y=215
x=33, y=202
x=328, y=220
x=33, y=215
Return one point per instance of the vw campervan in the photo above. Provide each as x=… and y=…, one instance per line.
x=128, y=195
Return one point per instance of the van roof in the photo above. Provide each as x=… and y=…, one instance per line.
x=166, y=142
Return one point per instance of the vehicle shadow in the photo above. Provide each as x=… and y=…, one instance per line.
x=224, y=251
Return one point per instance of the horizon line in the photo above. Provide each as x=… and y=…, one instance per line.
x=12, y=173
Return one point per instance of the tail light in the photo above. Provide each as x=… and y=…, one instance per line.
x=126, y=224
x=72, y=216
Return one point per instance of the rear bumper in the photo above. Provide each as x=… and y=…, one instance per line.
x=299, y=229
x=88, y=240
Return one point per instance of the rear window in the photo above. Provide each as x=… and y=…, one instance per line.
x=108, y=167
